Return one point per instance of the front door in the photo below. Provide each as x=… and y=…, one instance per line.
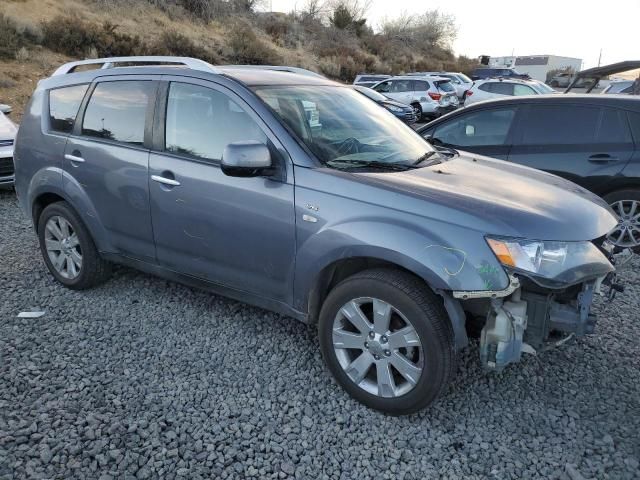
x=237, y=232
x=108, y=159
x=485, y=132
x=585, y=144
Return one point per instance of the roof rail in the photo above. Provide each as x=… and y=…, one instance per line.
x=192, y=63
x=276, y=68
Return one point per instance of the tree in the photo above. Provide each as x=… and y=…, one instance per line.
x=347, y=14
x=431, y=29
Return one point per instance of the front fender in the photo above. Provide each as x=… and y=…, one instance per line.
x=447, y=257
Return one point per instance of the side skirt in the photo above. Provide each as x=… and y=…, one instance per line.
x=191, y=281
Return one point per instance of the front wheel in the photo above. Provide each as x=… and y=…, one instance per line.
x=387, y=340
x=626, y=205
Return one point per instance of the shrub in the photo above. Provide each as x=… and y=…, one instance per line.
x=175, y=43
x=11, y=39
x=76, y=37
x=246, y=48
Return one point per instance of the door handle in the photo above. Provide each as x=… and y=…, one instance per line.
x=602, y=158
x=74, y=158
x=165, y=180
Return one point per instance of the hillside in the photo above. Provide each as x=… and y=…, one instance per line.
x=333, y=39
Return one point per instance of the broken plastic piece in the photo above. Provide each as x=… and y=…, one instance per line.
x=30, y=314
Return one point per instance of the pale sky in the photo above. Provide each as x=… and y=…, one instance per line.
x=535, y=27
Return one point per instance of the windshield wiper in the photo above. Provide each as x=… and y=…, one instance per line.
x=424, y=157
x=400, y=167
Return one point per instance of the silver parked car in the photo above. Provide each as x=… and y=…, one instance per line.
x=215, y=177
x=620, y=86
x=430, y=97
x=460, y=81
x=368, y=80
x=8, y=132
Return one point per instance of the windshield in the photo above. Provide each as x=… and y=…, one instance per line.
x=372, y=94
x=463, y=78
x=339, y=125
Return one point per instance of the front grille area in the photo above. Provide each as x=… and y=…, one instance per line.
x=6, y=167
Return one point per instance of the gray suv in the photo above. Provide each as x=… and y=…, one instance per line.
x=217, y=177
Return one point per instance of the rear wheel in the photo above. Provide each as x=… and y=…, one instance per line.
x=417, y=111
x=626, y=205
x=387, y=340
x=68, y=250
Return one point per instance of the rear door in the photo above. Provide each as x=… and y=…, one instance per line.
x=107, y=159
x=586, y=144
x=486, y=131
x=233, y=231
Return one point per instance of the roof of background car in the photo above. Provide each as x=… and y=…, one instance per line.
x=502, y=79
x=419, y=77
x=614, y=100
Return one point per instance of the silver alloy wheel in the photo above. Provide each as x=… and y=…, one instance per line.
x=63, y=247
x=377, y=347
x=627, y=233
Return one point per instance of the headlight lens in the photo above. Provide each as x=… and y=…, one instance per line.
x=565, y=262
x=393, y=108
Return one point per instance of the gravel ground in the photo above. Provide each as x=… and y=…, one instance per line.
x=143, y=378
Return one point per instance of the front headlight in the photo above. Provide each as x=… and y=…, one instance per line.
x=393, y=108
x=559, y=262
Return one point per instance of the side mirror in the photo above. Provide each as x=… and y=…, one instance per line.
x=246, y=159
x=6, y=109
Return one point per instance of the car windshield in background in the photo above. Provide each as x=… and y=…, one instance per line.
x=463, y=78
x=344, y=129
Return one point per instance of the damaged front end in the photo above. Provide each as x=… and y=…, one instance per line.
x=549, y=297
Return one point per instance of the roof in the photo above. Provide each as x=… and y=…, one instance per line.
x=255, y=76
x=628, y=102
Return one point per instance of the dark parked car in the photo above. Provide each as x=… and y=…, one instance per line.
x=217, y=178
x=400, y=110
x=592, y=140
x=492, y=72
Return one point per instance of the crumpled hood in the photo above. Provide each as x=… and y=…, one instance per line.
x=7, y=128
x=501, y=198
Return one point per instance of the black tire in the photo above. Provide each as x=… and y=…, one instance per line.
x=417, y=108
x=94, y=270
x=427, y=315
x=619, y=195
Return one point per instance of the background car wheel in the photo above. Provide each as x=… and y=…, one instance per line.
x=626, y=204
x=68, y=250
x=417, y=111
x=387, y=340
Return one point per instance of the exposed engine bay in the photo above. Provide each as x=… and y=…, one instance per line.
x=528, y=318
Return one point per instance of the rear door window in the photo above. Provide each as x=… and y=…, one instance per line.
x=117, y=111
x=400, y=86
x=482, y=128
x=63, y=107
x=560, y=125
x=523, y=90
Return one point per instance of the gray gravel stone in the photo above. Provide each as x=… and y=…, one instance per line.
x=144, y=378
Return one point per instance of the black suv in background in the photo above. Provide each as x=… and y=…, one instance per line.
x=591, y=140
x=489, y=72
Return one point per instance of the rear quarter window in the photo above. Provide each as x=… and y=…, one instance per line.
x=64, y=104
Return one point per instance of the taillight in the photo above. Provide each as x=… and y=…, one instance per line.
x=435, y=96
x=468, y=93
